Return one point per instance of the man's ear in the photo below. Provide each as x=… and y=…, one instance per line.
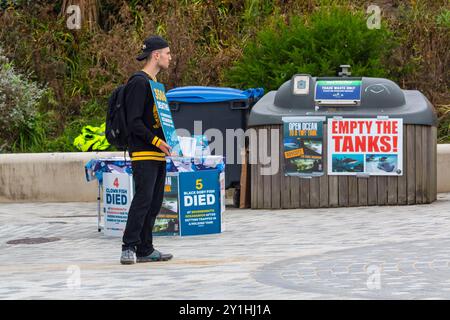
x=156, y=54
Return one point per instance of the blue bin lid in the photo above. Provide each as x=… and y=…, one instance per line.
x=201, y=94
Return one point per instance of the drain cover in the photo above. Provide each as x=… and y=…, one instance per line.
x=33, y=240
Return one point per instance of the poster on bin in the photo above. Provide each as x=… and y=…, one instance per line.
x=164, y=114
x=199, y=196
x=117, y=196
x=167, y=222
x=338, y=90
x=302, y=142
x=365, y=146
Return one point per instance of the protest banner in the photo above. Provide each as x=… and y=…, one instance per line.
x=199, y=202
x=365, y=146
x=117, y=196
x=302, y=142
x=164, y=114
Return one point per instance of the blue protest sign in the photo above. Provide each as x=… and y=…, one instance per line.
x=165, y=116
x=199, y=202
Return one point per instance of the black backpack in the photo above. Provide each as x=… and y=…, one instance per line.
x=116, y=131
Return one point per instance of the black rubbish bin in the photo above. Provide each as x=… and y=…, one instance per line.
x=377, y=98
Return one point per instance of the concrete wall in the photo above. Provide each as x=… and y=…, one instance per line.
x=48, y=177
x=443, y=167
x=54, y=177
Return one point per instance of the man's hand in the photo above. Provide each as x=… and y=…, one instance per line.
x=164, y=147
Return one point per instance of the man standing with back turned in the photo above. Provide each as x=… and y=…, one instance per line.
x=147, y=150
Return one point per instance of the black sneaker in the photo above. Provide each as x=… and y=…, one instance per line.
x=128, y=257
x=155, y=256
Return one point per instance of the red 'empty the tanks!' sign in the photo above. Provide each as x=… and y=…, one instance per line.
x=369, y=146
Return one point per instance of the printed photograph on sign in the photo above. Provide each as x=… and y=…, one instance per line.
x=166, y=225
x=303, y=166
x=167, y=221
x=348, y=163
x=170, y=200
x=381, y=163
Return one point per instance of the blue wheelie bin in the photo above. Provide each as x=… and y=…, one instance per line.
x=218, y=108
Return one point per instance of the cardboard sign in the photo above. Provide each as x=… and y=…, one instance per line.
x=117, y=196
x=202, y=190
x=200, y=208
x=365, y=146
x=164, y=114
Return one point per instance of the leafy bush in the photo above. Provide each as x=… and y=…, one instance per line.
x=19, y=100
x=330, y=37
x=443, y=18
x=82, y=67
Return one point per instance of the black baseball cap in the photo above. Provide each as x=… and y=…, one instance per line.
x=151, y=44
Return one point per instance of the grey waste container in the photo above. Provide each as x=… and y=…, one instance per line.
x=217, y=108
x=378, y=98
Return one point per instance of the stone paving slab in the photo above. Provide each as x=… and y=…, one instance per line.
x=381, y=252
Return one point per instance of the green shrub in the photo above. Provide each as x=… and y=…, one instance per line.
x=443, y=18
x=82, y=67
x=330, y=37
x=19, y=101
x=93, y=112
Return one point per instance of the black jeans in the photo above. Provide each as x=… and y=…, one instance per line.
x=149, y=180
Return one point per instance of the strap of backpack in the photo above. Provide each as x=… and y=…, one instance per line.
x=139, y=73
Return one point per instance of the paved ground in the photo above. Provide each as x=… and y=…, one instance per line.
x=355, y=253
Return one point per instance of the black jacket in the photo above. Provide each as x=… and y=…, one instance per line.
x=144, y=126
